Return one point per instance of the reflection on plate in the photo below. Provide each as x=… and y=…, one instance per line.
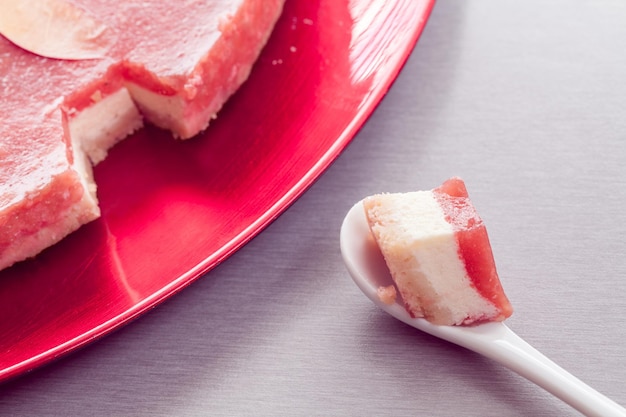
x=173, y=210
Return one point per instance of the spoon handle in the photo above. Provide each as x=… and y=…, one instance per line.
x=498, y=342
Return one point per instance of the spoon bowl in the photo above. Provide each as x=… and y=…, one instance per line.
x=494, y=340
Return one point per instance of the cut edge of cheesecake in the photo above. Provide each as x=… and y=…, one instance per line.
x=89, y=133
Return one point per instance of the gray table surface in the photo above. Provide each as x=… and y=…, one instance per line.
x=526, y=101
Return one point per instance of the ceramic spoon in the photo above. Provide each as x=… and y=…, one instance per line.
x=493, y=340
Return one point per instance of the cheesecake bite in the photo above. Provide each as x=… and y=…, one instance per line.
x=438, y=252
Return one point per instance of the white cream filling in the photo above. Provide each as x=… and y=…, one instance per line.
x=101, y=125
x=164, y=111
x=169, y=112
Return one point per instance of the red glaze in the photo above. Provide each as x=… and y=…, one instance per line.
x=473, y=243
x=454, y=187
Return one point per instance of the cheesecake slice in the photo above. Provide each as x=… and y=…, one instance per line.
x=170, y=64
x=438, y=252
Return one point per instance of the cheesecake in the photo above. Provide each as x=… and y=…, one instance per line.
x=173, y=65
x=438, y=253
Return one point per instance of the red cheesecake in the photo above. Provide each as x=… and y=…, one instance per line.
x=438, y=252
x=173, y=65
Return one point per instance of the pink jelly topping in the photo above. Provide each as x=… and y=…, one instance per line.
x=473, y=242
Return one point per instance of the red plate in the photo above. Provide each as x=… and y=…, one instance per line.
x=171, y=210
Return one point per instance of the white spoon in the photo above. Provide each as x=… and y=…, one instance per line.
x=493, y=340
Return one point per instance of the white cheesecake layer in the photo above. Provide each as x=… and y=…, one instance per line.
x=422, y=254
x=103, y=124
x=166, y=112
